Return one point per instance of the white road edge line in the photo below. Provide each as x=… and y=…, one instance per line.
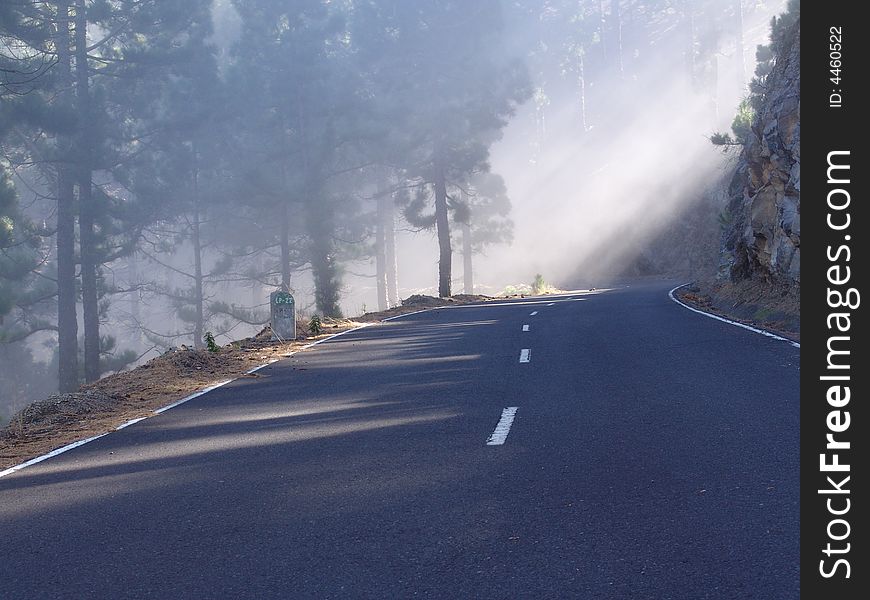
x=533, y=313
x=192, y=396
x=525, y=355
x=499, y=435
x=525, y=327
x=416, y=312
x=729, y=321
x=163, y=409
x=326, y=339
x=51, y=454
x=130, y=422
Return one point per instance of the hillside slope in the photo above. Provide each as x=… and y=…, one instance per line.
x=762, y=241
x=758, y=278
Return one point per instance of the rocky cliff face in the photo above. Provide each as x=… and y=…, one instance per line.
x=762, y=240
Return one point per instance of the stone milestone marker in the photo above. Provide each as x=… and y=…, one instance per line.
x=283, y=315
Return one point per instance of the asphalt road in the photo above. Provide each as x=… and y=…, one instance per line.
x=653, y=454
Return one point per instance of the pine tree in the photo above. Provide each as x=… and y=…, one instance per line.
x=18, y=247
x=452, y=103
x=25, y=56
x=148, y=45
x=482, y=212
x=300, y=127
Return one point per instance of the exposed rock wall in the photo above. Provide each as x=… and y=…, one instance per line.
x=762, y=239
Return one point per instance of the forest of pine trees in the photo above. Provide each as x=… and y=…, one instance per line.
x=165, y=165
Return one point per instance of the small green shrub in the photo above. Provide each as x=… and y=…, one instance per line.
x=315, y=325
x=724, y=139
x=539, y=285
x=742, y=123
x=210, y=344
x=762, y=314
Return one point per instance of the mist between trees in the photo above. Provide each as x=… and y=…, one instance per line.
x=166, y=165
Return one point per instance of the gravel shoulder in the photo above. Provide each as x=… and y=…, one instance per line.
x=767, y=307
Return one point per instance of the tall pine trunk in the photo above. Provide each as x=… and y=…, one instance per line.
x=740, y=51
x=381, y=249
x=320, y=227
x=199, y=323
x=67, y=321
x=285, y=247
x=324, y=267
x=135, y=299
x=258, y=293
x=581, y=82
x=467, y=266
x=285, y=233
x=87, y=234
x=390, y=253
x=442, y=224
x=617, y=34
x=689, y=21
x=639, y=34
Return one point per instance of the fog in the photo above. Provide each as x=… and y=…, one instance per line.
x=584, y=202
x=207, y=157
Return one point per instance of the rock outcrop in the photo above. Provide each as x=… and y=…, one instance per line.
x=762, y=238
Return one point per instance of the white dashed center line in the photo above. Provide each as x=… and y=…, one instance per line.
x=533, y=313
x=525, y=327
x=525, y=355
x=551, y=304
x=503, y=427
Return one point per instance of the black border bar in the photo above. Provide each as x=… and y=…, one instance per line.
x=835, y=227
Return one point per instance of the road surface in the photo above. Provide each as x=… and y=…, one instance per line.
x=648, y=452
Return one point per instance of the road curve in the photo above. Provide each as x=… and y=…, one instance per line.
x=650, y=453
